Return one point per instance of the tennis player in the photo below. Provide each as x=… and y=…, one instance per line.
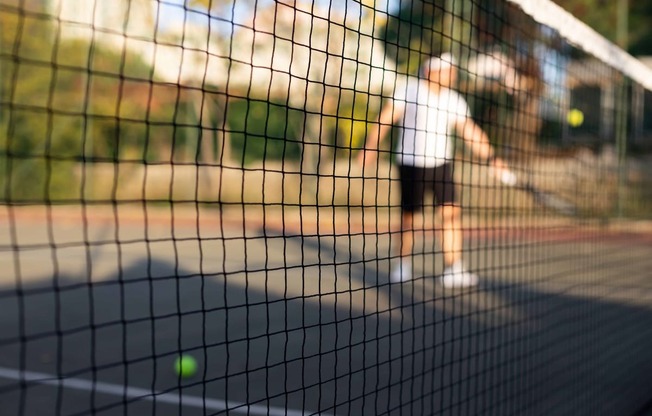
x=427, y=112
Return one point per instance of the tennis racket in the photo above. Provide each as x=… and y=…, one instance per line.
x=543, y=198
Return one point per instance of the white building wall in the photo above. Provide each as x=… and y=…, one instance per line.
x=290, y=49
x=107, y=20
x=130, y=26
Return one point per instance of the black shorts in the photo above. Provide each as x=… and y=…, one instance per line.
x=416, y=181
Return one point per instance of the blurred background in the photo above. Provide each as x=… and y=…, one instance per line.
x=110, y=100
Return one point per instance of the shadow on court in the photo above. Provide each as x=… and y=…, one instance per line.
x=325, y=334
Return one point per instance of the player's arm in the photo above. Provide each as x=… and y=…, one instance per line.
x=389, y=115
x=478, y=141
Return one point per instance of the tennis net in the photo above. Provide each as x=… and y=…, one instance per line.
x=288, y=207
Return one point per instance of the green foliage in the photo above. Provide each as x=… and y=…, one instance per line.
x=68, y=102
x=203, y=3
x=640, y=30
x=352, y=120
x=413, y=31
x=601, y=16
x=264, y=131
x=211, y=4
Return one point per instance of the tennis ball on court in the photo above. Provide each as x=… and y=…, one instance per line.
x=575, y=117
x=185, y=366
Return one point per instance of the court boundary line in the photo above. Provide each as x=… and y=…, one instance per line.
x=137, y=393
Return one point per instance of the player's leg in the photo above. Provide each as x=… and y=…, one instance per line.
x=412, y=190
x=402, y=269
x=450, y=214
x=407, y=234
x=455, y=274
x=451, y=235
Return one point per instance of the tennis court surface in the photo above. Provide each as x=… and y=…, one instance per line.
x=297, y=324
x=322, y=208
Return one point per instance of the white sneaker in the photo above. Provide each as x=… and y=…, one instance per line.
x=401, y=272
x=456, y=276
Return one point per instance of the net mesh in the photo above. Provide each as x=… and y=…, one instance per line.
x=276, y=207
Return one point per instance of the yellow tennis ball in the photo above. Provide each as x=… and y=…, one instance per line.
x=185, y=366
x=575, y=117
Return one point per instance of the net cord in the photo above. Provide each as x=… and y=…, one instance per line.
x=584, y=37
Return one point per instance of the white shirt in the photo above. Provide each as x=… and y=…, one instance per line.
x=426, y=127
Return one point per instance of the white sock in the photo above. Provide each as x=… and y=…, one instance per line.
x=406, y=263
x=402, y=270
x=456, y=267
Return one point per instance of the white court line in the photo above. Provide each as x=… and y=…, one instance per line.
x=144, y=394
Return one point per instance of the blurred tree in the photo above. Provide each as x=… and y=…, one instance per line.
x=640, y=28
x=412, y=31
x=210, y=4
x=314, y=60
x=599, y=14
x=66, y=101
x=264, y=131
x=222, y=8
x=24, y=77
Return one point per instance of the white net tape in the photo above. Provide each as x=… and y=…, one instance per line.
x=584, y=37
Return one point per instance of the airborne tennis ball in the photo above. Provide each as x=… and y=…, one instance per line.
x=575, y=117
x=185, y=366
